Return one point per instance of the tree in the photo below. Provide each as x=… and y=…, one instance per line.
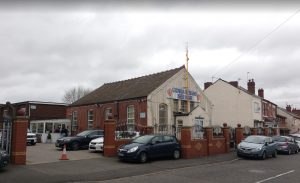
x=74, y=94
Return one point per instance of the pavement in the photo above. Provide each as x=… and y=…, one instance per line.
x=48, y=153
x=98, y=169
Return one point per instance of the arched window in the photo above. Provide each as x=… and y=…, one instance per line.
x=163, y=114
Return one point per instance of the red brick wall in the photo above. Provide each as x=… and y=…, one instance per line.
x=44, y=111
x=119, y=112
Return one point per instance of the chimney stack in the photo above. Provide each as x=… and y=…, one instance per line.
x=234, y=83
x=289, y=108
x=261, y=92
x=251, y=86
x=207, y=84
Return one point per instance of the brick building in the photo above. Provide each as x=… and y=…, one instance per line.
x=44, y=117
x=158, y=101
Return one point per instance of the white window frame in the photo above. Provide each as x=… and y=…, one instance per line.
x=90, y=119
x=74, y=120
x=130, y=120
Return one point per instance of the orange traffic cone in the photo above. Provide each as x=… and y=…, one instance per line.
x=64, y=154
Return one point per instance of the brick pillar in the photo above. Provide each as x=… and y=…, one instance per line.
x=209, y=138
x=239, y=135
x=266, y=131
x=19, y=141
x=253, y=131
x=149, y=130
x=109, y=149
x=226, y=133
x=186, y=142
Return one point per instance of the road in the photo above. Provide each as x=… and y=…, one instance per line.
x=222, y=168
x=282, y=169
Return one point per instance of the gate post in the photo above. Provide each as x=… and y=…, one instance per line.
x=253, y=131
x=226, y=134
x=109, y=149
x=266, y=131
x=209, y=138
x=186, y=138
x=239, y=134
x=19, y=141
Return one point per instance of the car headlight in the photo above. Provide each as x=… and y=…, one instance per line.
x=239, y=146
x=133, y=149
x=258, y=148
x=67, y=140
x=3, y=153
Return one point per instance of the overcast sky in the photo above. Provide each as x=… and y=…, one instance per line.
x=47, y=48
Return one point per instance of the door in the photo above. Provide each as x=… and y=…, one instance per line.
x=156, y=147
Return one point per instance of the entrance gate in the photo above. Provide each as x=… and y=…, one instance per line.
x=6, y=115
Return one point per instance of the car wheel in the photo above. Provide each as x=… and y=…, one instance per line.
x=264, y=155
x=274, y=155
x=75, y=146
x=33, y=143
x=143, y=157
x=297, y=150
x=176, y=154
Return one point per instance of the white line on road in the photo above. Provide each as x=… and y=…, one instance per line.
x=279, y=175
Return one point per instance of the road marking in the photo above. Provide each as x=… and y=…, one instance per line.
x=279, y=175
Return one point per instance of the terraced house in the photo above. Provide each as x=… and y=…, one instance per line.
x=159, y=101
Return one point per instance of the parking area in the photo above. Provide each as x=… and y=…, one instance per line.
x=48, y=153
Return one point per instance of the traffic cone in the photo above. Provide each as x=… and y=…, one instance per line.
x=64, y=154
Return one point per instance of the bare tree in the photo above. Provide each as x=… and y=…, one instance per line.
x=74, y=94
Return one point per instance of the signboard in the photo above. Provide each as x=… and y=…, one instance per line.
x=182, y=94
x=142, y=115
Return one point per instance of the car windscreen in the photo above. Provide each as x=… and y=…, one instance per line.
x=143, y=139
x=84, y=133
x=255, y=139
x=279, y=139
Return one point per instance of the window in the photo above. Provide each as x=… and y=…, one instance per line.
x=175, y=105
x=107, y=113
x=183, y=106
x=163, y=117
x=192, y=105
x=74, y=120
x=90, y=119
x=198, y=128
x=40, y=128
x=256, y=107
x=130, y=118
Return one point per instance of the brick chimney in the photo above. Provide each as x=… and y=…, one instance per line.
x=289, y=108
x=207, y=84
x=261, y=92
x=251, y=86
x=234, y=83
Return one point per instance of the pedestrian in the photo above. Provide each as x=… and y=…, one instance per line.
x=64, y=132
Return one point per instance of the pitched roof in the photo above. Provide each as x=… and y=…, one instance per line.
x=127, y=89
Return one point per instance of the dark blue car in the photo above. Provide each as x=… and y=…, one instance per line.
x=149, y=147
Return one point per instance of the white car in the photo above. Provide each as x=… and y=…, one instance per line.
x=31, y=138
x=96, y=144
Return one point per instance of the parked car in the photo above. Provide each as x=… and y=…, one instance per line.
x=96, y=144
x=257, y=146
x=296, y=137
x=81, y=140
x=4, y=158
x=31, y=138
x=150, y=146
x=286, y=144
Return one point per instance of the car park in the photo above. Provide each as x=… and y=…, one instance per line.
x=286, y=144
x=4, y=158
x=31, y=138
x=296, y=137
x=257, y=146
x=80, y=141
x=149, y=147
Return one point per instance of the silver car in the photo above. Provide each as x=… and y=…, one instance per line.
x=257, y=146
